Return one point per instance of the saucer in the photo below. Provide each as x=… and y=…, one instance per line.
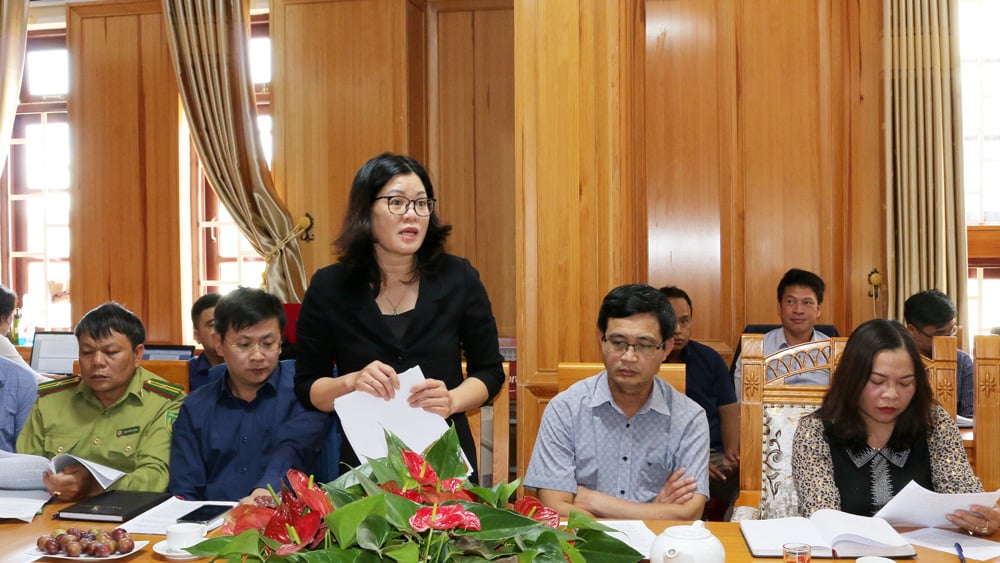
x=162, y=549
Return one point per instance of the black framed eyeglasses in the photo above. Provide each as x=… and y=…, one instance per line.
x=399, y=205
x=619, y=346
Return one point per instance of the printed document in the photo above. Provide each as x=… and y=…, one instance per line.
x=366, y=417
x=916, y=506
x=24, y=471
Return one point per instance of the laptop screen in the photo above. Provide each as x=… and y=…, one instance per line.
x=54, y=352
x=168, y=352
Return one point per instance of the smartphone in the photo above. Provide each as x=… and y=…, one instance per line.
x=205, y=513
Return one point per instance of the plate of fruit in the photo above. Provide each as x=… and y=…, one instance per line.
x=76, y=543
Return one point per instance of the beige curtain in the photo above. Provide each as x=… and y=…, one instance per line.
x=13, y=35
x=208, y=42
x=926, y=210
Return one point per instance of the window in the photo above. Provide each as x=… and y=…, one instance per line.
x=980, y=73
x=35, y=193
x=227, y=260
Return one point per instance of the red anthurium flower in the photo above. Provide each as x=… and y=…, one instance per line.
x=419, y=469
x=534, y=509
x=444, y=518
x=307, y=491
x=393, y=487
x=245, y=517
x=452, y=485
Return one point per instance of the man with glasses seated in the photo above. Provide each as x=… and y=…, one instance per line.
x=245, y=429
x=616, y=445
x=931, y=313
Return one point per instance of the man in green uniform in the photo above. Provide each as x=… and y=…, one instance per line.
x=115, y=413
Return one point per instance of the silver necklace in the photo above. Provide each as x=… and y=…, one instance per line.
x=391, y=304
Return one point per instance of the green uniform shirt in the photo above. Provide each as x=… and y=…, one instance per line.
x=132, y=435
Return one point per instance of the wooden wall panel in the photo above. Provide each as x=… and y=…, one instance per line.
x=471, y=130
x=792, y=218
x=764, y=153
x=580, y=213
x=691, y=160
x=341, y=95
x=124, y=120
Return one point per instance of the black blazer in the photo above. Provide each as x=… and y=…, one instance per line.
x=340, y=324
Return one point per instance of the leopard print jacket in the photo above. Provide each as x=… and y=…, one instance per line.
x=812, y=464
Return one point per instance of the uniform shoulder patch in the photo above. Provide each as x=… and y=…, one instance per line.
x=55, y=385
x=163, y=388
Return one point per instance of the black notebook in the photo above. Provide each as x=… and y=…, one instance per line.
x=113, y=506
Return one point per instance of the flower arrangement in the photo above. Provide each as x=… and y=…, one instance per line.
x=408, y=507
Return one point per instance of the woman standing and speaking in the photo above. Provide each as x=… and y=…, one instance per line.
x=395, y=300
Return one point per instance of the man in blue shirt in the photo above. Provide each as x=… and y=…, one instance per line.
x=800, y=305
x=245, y=429
x=18, y=391
x=203, y=319
x=614, y=445
x=709, y=384
x=931, y=313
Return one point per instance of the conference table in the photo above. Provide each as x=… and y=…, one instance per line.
x=17, y=538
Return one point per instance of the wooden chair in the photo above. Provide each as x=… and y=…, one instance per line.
x=770, y=411
x=986, y=426
x=942, y=371
x=494, y=444
x=571, y=372
x=174, y=371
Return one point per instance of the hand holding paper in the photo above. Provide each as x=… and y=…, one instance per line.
x=916, y=506
x=366, y=417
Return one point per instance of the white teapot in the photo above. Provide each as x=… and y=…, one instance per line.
x=687, y=544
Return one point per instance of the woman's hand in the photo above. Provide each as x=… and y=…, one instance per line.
x=432, y=396
x=980, y=520
x=376, y=379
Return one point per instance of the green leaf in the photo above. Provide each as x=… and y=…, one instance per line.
x=335, y=554
x=498, y=496
x=599, y=547
x=246, y=543
x=580, y=521
x=499, y=524
x=445, y=456
x=373, y=533
x=344, y=522
x=404, y=553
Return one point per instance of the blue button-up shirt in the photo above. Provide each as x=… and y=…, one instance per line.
x=18, y=391
x=199, y=370
x=585, y=439
x=224, y=447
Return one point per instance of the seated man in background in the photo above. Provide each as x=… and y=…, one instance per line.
x=18, y=391
x=709, y=384
x=800, y=304
x=114, y=413
x=615, y=445
x=245, y=429
x=203, y=318
x=931, y=313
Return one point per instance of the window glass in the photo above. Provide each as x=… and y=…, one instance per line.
x=49, y=71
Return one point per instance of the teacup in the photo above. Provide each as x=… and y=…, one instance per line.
x=184, y=534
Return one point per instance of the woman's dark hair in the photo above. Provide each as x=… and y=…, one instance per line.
x=840, y=410
x=356, y=244
x=8, y=301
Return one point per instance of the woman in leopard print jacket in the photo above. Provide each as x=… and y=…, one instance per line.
x=878, y=429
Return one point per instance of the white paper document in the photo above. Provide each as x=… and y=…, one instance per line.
x=366, y=417
x=155, y=520
x=24, y=471
x=633, y=533
x=23, y=505
x=916, y=506
x=973, y=547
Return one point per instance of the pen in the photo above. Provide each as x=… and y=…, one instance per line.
x=958, y=550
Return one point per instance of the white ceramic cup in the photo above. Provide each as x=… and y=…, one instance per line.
x=184, y=534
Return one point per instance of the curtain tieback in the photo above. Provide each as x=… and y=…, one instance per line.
x=303, y=226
